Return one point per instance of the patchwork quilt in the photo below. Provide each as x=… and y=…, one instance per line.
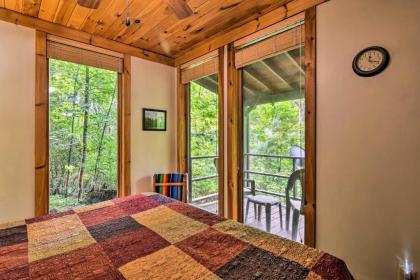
x=149, y=236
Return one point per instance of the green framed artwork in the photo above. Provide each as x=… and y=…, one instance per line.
x=154, y=120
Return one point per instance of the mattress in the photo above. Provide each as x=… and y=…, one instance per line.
x=150, y=236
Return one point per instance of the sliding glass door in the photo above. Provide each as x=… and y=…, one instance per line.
x=203, y=147
x=83, y=135
x=273, y=107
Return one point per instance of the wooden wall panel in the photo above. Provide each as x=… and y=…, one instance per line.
x=221, y=162
x=41, y=125
x=234, y=139
x=310, y=123
x=124, y=132
x=182, y=115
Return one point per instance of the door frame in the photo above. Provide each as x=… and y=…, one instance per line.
x=42, y=126
x=235, y=130
x=183, y=137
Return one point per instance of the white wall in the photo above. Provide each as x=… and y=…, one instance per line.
x=17, y=103
x=153, y=86
x=368, y=132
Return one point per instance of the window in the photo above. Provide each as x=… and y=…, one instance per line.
x=82, y=141
x=83, y=135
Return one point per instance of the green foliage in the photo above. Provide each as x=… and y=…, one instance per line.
x=69, y=83
x=204, y=138
x=269, y=128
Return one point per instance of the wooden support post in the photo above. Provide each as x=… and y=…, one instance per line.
x=41, y=126
x=124, y=132
x=310, y=123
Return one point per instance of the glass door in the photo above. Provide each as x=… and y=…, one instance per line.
x=203, y=147
x=273, y=109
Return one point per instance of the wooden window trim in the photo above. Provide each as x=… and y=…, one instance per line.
x=234, y=133
x=42, y=132
x=182, y=127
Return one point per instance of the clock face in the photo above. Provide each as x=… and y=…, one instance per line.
x=370, y=61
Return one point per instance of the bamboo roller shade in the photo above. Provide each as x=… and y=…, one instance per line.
x=74, y=54
x=279, y=43
x=194, y=72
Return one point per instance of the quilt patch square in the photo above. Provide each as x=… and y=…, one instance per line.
x=195, y=213
x=304, y=255
x=137, y=204
x=113, y=227
x=49, y=217
x=330, y=267
x=56, y=236
x=211, y=248
x=95, y=206
x=169, y=224
x=89, y=262
x=124, y=248
x=255, y=263
x=161, y=265
x=99, y=216
x=13, y=258
x=12, y=236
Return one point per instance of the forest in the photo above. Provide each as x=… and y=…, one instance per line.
x=83, y=135
x=83, y=121
x=273, y=128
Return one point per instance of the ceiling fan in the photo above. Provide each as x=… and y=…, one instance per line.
x=179, y=7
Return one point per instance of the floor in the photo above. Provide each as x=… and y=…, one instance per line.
x=275, y=221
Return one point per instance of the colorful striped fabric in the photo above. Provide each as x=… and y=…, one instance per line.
x=175, y=192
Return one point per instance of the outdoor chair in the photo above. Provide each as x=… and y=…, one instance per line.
x=296, y=151
x=294, y=204
x=262, y=200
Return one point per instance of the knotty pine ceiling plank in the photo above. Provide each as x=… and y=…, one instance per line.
x=48, y=9
x=64, y=11
x=14, y=5
x=31, y=7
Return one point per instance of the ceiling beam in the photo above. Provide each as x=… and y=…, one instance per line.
x=81, y=36
x=225, y=37
x=275, y=73
x=297, y=65
x=255, y=78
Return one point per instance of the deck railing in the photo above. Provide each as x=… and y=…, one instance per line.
x=213, y=196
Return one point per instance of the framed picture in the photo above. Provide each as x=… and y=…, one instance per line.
x=154, y=120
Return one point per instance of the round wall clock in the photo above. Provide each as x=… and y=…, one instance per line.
x=370, y=61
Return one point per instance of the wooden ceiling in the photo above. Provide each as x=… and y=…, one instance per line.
x=154, y=26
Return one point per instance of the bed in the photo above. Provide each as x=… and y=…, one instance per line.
x=149, y=236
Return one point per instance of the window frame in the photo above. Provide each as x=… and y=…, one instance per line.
x=42, y=124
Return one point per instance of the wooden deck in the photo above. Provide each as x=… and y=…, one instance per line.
x=275, y=221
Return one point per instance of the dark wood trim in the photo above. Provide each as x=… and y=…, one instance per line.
x=182, y=129
x=310, y=123
x=41, y=125
x=221, y=162
x=124, y=131
x=81, y=36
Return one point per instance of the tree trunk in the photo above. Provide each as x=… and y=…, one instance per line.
x=66, y=185
x=100, y=148
x=85, y=130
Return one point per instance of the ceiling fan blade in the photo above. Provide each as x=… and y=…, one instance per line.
x=180, y=8
x=91, y=4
